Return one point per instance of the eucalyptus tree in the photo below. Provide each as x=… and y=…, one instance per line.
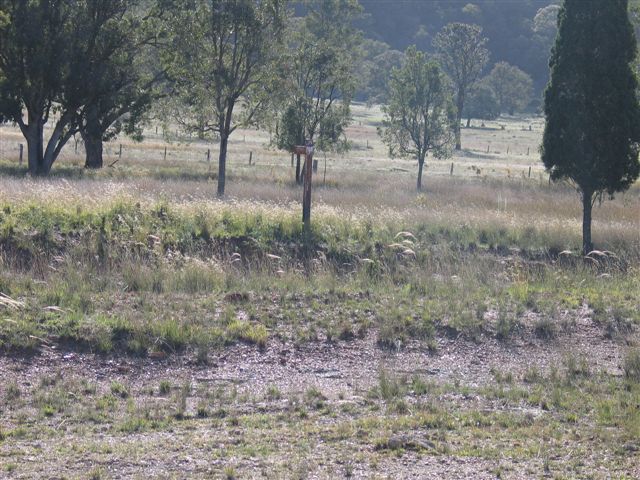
x=463, y=55
x=419, y=116
x=68, y=62
x=34, y=59
x=117, y=71
x=318, y=77
x=222, y=57
x=592, y=133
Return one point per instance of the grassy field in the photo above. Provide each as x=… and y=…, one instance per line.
x=150, y=329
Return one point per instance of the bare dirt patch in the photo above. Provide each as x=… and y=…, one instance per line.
x=317, y=410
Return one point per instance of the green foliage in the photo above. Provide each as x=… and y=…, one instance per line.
x=217, y=255
x=119, y=390
x=592, y=132
x=512, y=87
x=112, y=71
x=390, y=386
x=634, y=11
x=419, y=114
x=318, y=77
x=481, y=103
x=375, y=71
x=35, y=60
x=165, y=387
x=223, y=53
x=518, y=32
x=78, y=56
x=462, y=52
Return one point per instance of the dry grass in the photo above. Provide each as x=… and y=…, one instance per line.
x=487, y=190
x=388, y=199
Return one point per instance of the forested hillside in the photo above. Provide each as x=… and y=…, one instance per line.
x=519, y=32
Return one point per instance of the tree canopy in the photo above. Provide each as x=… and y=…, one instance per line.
x=419, y=116
x=482, y=103
x=592, y=132
x=319, y=76
x=461, y=50
x=35, y=58
x=72, y=58
x=514, y=29
x=222, y=55
x=116, y=72
x=513, y=87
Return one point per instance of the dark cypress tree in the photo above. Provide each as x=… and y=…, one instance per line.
x=593, y=117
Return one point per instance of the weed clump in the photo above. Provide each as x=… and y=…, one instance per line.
x=164, y=387
x=632, y=365
x=545, y=328
x=119, y=390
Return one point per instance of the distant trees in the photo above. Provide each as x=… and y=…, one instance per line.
x=592, y=134
x=481, y=103
x=222, y=56
x=463, y=55
x=512, y=87
x=318, y=78
x=506, y=89
x=419, y=117
x=516, y=33
x=375, y=70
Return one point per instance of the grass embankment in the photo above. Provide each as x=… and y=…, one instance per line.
x=164, y=279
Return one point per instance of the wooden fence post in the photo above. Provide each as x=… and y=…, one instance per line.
x=324, y=177
x=21, y=150
x=451, y=172
x=250, y=157
x=529, y=171
x=165, y=152
x=120, y=152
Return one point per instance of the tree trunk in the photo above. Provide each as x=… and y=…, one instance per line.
x=468, y=122
x=40, y=159
x=420, y=165
x=92, y=133
x=587, y=206
x=55, y=144
x=298, y=176
x=460, y=105
x=222, y=164
x=93, y=150
x=35, y=148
